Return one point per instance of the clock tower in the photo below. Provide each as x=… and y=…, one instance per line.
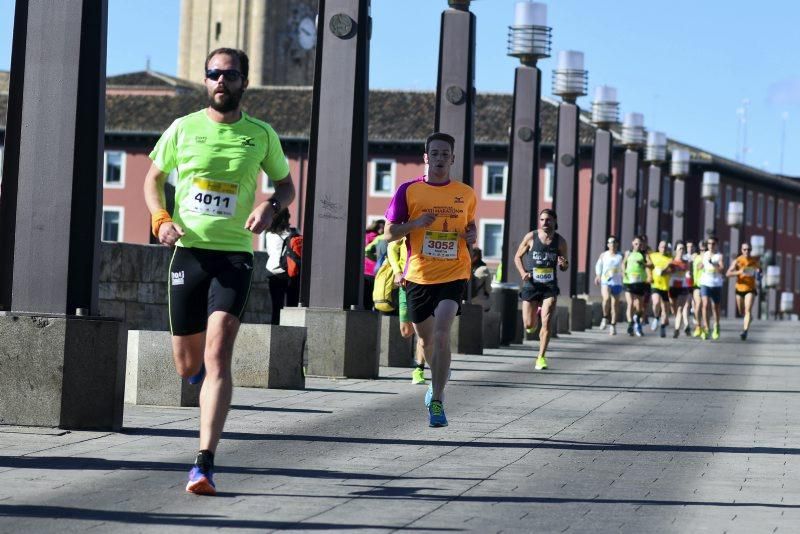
x=279, y=37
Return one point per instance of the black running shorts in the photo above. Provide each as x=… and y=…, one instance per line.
x=663, y=293
x=533, y=292
x=204, y=281
x=638, y=289
x=422, y=299
x=745, y=293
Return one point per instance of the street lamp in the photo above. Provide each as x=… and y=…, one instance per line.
x=605, y=113
x=772, y=280
x=529, y=41
x=655, y=153
x=757, y=243
x=679, y=169
x=569, y=82
x=455, y=89
x=633, y=138
x=734, y=218
x=708, y=192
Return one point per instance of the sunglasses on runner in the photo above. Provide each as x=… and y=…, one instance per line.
x=230, y=75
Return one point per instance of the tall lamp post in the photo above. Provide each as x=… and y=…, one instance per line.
x=331, y=278
x=455, y=87
x=735, y=218
x=605, y=113
x=633, y=138
x=679, y=169
x=772, y=280
x=569, y=82
x=528, y=40
x=655, y=154
x=709, y=192
x=757, y=249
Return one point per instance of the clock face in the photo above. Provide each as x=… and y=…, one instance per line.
x=307, y=33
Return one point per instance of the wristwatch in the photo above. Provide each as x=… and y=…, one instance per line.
x=275, y=203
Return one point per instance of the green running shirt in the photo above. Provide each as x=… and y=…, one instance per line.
x=635, y=272
x=218, y=166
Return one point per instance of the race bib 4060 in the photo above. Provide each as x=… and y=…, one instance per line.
x=211, y=197
x=443, y=245
x=543, y=274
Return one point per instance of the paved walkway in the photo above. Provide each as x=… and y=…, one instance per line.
x=620, y=434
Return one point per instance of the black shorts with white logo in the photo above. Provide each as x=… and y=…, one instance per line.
x=537, y=292
x=422, y=299
x=204, y=281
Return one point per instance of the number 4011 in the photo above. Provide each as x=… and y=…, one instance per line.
x=212, y=199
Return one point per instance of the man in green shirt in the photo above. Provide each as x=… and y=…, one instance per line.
x=219, y=153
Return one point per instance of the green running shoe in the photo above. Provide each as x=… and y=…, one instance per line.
x=541, y=363
x=418, y=376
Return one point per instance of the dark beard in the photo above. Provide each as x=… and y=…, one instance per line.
x=229, y=104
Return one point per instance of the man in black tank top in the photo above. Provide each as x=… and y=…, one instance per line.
x=543, y=250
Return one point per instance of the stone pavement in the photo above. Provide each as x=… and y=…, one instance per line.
x=620, y=435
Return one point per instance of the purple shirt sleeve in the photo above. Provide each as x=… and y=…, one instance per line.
x=397, y=212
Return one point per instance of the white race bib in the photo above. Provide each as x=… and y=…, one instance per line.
x=442, y=245
x=211, y=197
x=543, y=275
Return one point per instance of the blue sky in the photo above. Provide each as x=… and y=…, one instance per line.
x=686, y=65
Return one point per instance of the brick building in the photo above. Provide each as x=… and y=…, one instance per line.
x=141, y=105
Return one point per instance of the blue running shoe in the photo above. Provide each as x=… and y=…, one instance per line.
x=196, y=379
x=436, y=413
x=429, y=396
x=201, y=481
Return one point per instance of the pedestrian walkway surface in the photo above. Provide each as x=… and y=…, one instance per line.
x=619, y=435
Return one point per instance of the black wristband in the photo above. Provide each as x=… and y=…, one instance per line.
x=275, y=203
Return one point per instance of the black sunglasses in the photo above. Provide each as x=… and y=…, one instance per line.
x=230, y=75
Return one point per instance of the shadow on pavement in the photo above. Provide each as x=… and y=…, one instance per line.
x=530, y=443
x=183, y=520
x=271, y=409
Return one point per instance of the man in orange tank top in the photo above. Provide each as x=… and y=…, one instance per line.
x=745, y=268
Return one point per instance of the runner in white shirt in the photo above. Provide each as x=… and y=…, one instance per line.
x=711, y=281
x=608, y=275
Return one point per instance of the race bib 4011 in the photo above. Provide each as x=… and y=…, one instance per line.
x=212, y=197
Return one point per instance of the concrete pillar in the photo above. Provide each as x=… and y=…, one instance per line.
x=630, y=188
x=653, y=211
x=679, y=209
x=599, y=219
x=72, y=363
x=565, y=196
x=336, y=199
x=734, y=241
x=455, y=87
x=523, y=179
x=709, y=219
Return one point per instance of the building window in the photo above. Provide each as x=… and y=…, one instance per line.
x=666, y=190
x=549, y=177
x=787, y=277
x=780, y=216
x=760, y=211
x=114, y=169
x=383, y=171
x=797, y=222
x=113, y=222
x=740, y=195
x=779, y=263
x=770, y=213
x=789, y=218
x=748, y=209
x=491, y=238
x=495, y=176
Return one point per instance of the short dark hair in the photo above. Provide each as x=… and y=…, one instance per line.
x=440, y=136
x=240, y=55
x=712, y=238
